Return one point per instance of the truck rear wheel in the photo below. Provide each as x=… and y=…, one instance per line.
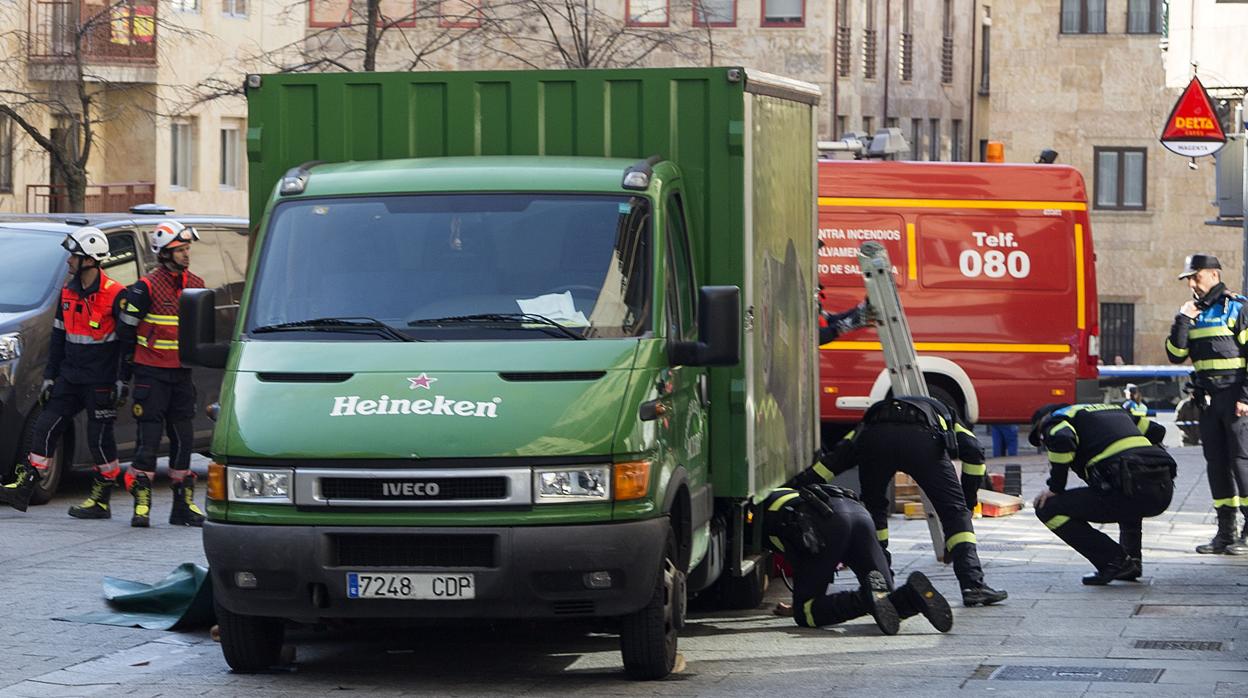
x=648, y=637
x=250, y=643
x=745, y=592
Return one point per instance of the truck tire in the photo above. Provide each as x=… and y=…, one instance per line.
x=56, y=461
x=745, y=592
x=939, y=393
x=648, y=637
x=250, y=643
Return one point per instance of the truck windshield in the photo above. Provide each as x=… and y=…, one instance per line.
x=459, y=266
x=31, y=266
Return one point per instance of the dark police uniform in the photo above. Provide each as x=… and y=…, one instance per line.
x=1217, y=343
x=1130, y=478
x=821, y=526
x=917, y=436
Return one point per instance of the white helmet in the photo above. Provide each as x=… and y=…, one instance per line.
x=87, y=242
x=1130, y=388
x=169, y=235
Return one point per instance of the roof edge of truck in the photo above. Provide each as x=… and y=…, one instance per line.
x=969, y=181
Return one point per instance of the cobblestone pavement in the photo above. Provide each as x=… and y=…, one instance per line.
x=1052, y=637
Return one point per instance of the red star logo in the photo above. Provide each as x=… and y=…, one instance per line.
x=421, y=381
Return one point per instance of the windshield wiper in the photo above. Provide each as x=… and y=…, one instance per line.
x=339, y=324
x=507, y=320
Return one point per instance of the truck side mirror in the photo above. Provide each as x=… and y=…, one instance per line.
x=197, y=330
x=719, y=330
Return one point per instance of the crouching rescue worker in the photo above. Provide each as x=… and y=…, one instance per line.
x=918, y=436
x=1130, y=478
x=81, y=374
x=819, y=527
x=164, y=396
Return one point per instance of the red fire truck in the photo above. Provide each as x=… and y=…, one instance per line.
x=996, y=273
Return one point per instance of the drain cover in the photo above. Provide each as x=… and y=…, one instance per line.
x=987, y=547
x=1012, y=672
x=1199, y=645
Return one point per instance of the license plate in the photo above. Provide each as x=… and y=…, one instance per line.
x=431, y=587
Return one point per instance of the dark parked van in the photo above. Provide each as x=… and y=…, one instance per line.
x=32, y=266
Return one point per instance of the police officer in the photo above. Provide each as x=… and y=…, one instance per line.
x=916, y=435
x=1130, y=478
x=81, y=373
x=1212, y=330
x=819, y=527
x=1134, y=403
x=164, y=396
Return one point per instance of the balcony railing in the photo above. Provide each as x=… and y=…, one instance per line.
x=100, y=198
x=868, y=54
x=843, y=49
x=946, y=60
x=118, y=32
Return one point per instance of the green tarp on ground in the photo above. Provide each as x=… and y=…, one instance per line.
x=180, y=601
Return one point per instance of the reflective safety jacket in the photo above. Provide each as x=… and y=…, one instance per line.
x=927, y=413
x=149, y=319
x=84, y=345
x=1217, y=343
x=1079, y=437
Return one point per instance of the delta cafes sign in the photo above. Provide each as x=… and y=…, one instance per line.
x=1193, y=129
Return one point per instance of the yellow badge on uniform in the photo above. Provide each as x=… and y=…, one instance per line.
x=137, y=410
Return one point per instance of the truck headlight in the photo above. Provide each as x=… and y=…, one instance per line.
x=10, y=346
x=256, y=485
x=583, y=484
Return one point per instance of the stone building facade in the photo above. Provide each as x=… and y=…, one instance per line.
x=1068, y=75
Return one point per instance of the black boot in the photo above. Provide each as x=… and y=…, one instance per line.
x=184, y=511
x=17, y=494
x=1124, y=568
x=1224, y=541
x=875, y=596
x=917, y=596
x=141, y=489
x=1132, y=541
x=95, y=506
x=982, y=595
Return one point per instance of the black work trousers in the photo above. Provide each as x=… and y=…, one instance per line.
x=68, y=399
x=914, y=449
x=1070, y=514
x=848, y=537
x=164, y=402
x=1224, y=438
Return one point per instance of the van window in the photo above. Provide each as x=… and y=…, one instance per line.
x=221, y=253
x=1015, y=253
x=122, y=264
x=32, y=265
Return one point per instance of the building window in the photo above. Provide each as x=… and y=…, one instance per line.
x=1121, y=174
x=890, y=122
x=868, y=126
x=840, y=125
x=955, y=141
x=1118, y=333
x=985, y=53
x=784, y=13
x=1144, y=16
x=646, y=13
x=916, y=136
x=844, y=37
x=905, y=60
x=184, y=5
x=869, y=40
x=715, y=13
x=946, y=44
x=933, y=146
x=1083, y=16
x=231, y=157
x=182, y=151
x=6, y=155
x=234, y=8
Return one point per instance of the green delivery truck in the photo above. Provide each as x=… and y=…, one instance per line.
x=512, y=345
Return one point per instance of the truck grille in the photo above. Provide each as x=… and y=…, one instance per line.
x=411, y=550
x=448, y=488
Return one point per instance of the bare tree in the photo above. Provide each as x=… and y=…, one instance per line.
x=54, y=88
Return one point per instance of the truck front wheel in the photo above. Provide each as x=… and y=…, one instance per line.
x=250, y=643
x=648, y=637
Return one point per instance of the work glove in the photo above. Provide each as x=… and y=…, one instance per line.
x=45, y=391
x=121, y=391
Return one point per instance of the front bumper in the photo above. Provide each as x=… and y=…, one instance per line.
x=535, y=571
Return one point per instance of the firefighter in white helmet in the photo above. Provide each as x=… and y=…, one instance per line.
x=164, y=395
x=81, y=374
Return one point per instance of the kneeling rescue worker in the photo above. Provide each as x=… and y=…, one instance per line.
x=916, y=435
x=164, y=396
x=81, y=374
x=819, y=527
x=1130, y=478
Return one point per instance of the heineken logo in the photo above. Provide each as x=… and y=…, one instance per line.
x=438, y=405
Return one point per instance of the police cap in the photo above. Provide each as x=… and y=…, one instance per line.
x=1196, y=262
x=1037, y=420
